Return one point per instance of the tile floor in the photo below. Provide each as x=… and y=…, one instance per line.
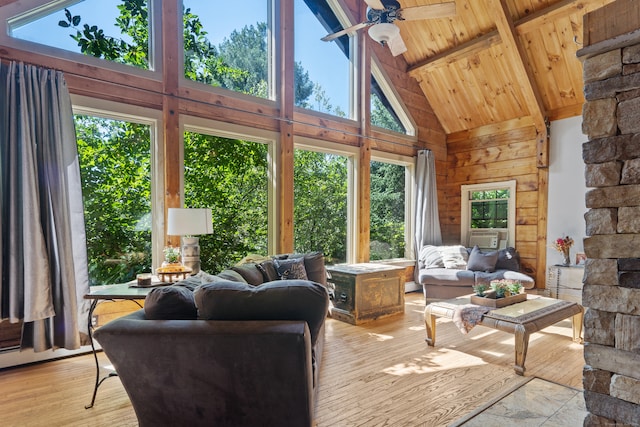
x=536, y=403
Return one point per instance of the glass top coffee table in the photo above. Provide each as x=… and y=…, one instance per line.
x=520, y=319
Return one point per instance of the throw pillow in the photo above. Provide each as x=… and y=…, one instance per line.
x=169, y=303
x=292, y=268
x=277, y=300
x=480, y=261
x=508, y=259
x=268, y=270
x=250, y=273
x=430, y=257
x=454, y=257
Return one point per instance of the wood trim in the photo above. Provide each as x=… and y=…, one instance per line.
x=526, y=79
x=170, y=117
x=285, y=196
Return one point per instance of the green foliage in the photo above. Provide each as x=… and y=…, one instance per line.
x=230, y=177
x=133, y=22
x=387, y=211
x=382, y=117
x=115, y=166
x=320, y=208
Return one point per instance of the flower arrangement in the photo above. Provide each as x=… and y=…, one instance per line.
x=563, y=245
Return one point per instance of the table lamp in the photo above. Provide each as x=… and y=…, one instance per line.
x=188, y=223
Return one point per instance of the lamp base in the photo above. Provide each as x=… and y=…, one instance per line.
x=191, y=253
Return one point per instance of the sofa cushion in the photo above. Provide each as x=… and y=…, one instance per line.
x=291, y=268
x=250, y=273
x=170, y=303
x=430, y=257
x=482, y=261
x=454, y=256
x=277, y=300
x=508, y=259
x=231, y=275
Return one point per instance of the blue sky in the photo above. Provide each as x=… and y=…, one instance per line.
x=320, y=59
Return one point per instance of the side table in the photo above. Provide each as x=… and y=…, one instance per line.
x=565, y=282
x=96, y=294
x=366, y=291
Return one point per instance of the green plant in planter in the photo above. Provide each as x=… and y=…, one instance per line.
x=500, y=288
x=171, y=254
x=480, y=289
x=514, y=288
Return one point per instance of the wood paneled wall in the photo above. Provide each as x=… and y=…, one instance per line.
x=500, y=153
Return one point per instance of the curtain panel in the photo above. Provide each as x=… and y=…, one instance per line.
x=427, y=225
x=43, y=259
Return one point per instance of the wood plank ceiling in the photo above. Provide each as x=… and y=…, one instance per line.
x=499, y=60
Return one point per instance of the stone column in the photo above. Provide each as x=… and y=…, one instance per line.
x=611, y=293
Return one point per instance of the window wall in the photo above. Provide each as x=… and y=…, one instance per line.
x=120, y=75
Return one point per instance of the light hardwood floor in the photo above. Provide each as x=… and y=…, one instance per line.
x=381, y=373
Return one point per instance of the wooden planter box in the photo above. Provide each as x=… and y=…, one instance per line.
x=498, y=302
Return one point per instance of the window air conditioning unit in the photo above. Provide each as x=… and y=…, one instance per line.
x=487, y=239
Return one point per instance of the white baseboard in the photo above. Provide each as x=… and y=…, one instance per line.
x=15, y=357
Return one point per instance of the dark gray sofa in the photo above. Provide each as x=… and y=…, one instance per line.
x=446, y=272
x=250, y=357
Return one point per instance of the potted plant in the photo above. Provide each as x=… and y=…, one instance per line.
x=171, y=255
x=480, y=289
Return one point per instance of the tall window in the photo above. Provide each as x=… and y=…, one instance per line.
x=227, y=46
x=323, y=70
x=386, y=109
x=115, y=165
x=488, y=216
x=230, y=176
x=388, y=211
x=321, y=203
x=115, y=30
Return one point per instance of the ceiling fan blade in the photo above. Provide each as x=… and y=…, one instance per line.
x=396, y=45
x=348, y=30
x=375, y=4
x=430, y=11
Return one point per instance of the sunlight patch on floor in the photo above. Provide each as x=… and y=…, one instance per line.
x=443, y=359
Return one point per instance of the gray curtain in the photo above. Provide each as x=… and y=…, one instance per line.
x=43, y=259
x=427, y=226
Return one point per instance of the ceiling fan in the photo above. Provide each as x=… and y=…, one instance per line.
x=382, y=13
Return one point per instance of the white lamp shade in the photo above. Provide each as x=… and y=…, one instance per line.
x=189, y=222
x=383, y=32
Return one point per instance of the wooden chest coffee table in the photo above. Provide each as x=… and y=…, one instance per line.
x=366, y=291
x=520, y=319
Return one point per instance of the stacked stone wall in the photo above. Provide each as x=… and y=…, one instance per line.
x=611, y=293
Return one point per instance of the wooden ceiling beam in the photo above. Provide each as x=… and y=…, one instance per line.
x=524, y=25
x=462, y=51
x=557, y=11
x=517, y=57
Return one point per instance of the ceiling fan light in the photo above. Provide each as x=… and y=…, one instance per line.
x=383, y=32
